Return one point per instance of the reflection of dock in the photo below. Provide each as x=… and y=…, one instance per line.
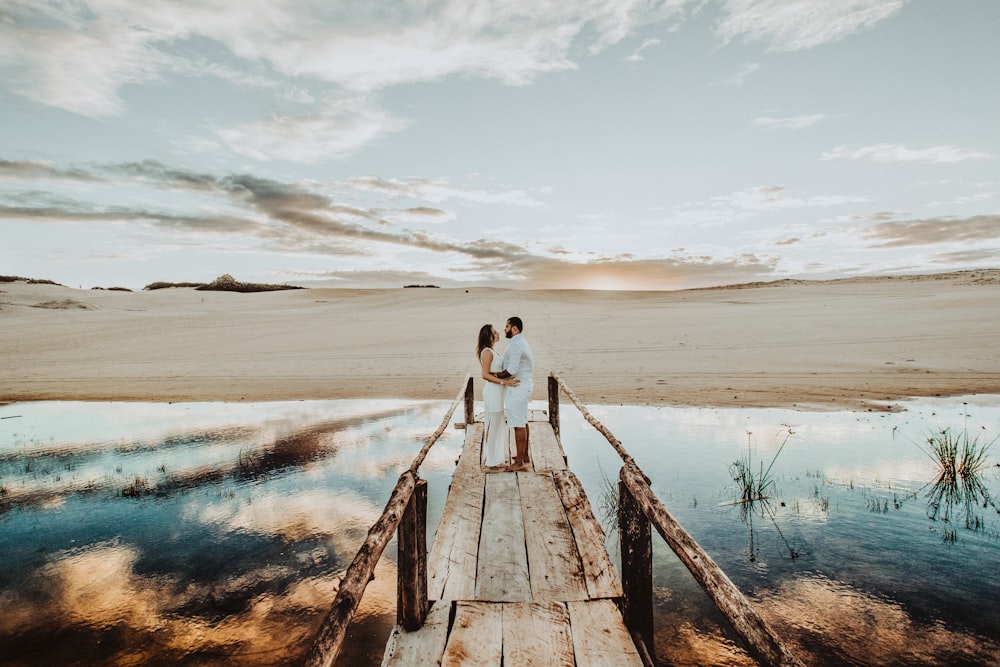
x=519, y=573
x=520, y=562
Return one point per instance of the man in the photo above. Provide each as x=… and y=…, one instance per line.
x=518, y=363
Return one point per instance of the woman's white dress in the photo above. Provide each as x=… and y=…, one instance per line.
x=495, y=436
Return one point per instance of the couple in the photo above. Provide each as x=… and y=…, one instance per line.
x=508, y=373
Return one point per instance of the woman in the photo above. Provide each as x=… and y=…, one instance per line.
x=491, y=361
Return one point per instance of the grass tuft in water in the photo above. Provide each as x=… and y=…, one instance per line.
x=961, y=459
x=138, y=487
x=609, y=502
x=755, y=484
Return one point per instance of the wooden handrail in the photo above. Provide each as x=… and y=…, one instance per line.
x=763, y=642
x=462, y=395
x=330, y=638
x=601, y=428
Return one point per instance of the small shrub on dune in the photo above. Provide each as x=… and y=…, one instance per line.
x=226, y=283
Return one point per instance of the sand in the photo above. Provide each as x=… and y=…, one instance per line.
x=858, y=343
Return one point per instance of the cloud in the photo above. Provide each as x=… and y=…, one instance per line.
x=637, y=54
x=77, y=56
x=963, y=200
x=792, y=123
x=986, y=257
x=289, y=217
x=339, y=129
x=56, y=55
x=28, y=170
x=880, y=216
x=740, y=77
x=934, y=231
x=899, y=153
x=796, y=25
x=438, y=191
x=752, y=202
x=667, y=273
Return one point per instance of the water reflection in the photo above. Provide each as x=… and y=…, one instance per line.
x=217, y=537
x=832, y=574
x=231, y=548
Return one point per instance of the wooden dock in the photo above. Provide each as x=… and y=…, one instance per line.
x=519, y=572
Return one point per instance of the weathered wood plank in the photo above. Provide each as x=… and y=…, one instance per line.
x=538, y=416
x=470, y=460
x=554, y=567
x=599, y=635
x=764, y=643
x=544, y=449
x=537, y=634
x=423, y=647
x=451, y=571
x=502, y=572
x=476, y=637
x=599, y=572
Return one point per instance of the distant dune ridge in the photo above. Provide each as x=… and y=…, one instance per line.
x=860, y=343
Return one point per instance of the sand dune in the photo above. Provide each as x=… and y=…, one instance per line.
x=848, y=343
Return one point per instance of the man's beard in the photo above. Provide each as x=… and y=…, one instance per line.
x=509, y=334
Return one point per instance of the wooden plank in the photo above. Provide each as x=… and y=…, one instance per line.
x=502, y=572
x=544, y=448
x=477, y=636
x=599, y=635
x=599, y=572
x=423, y=647
x=537, y=633
x=451, y=570
x=554, y=567
x=763, y=642
x=538, y=416
x=470, y=460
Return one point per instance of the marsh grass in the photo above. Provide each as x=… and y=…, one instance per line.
x=959, y=488
x=758, y=484
x=609, y=502
x=138, y=487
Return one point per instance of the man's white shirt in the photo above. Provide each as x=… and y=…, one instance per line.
x=518, y=360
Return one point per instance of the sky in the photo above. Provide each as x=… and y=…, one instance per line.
x=631, y=144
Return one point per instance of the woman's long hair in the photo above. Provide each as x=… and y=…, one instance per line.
x=485, y=339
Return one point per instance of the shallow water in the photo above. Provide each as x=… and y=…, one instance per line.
x=216, y=533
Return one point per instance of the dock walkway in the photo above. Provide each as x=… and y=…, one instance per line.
x=519, y=573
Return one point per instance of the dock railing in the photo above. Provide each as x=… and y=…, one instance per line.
x=638, y=510
x=405, y=512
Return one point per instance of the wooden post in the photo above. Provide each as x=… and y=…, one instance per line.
x=411, y=586
x=554, y=404
x=762, y=641
x=470, y=398
x=636, y=541
x=330, y=638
